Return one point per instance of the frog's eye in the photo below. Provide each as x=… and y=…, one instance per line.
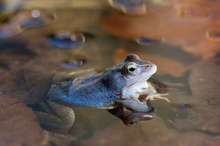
x=131, y=69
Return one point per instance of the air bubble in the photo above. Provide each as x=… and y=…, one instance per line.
x=78, y=62
x=35, y=13
x=129, y=6
x=34, y=18
x=66, y=40
x=147, y=41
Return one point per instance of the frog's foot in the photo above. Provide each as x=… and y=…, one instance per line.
x=57, y=116
x=158, y=96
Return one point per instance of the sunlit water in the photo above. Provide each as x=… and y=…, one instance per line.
x=77, y=41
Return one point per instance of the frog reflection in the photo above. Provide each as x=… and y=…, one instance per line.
x=114, y=89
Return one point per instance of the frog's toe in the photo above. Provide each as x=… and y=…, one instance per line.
x=158, y=96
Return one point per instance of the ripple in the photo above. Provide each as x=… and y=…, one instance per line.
x=129, y=6
x=9, y=30
x=147, y=41
x=66, y=40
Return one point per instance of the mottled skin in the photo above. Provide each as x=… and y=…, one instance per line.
x=119, y=86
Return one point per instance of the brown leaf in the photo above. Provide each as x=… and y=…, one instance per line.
x=26, y=86
x=204, y=82
x=18, y=124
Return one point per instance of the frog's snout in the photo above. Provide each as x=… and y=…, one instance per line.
x=148, y=66
x=152, y=67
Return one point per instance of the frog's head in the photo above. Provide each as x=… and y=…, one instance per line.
x=129, y=77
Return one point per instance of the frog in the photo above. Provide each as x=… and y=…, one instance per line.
x=116, y=88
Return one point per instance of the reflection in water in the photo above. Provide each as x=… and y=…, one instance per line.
x=131, y=118
x=129, y=6
x=67, y=40
x=135, y=117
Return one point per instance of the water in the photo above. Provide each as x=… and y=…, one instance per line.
x=181, y=38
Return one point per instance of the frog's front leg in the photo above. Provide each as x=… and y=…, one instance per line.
x=134, y=104
x=57, y=116
x=153, y=94
x=157, y=96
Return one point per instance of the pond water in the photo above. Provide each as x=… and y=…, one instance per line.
x=180, y=37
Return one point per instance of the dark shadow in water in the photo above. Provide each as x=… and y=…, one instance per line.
x=167, y=79
x=217, y=58
x=15, y=47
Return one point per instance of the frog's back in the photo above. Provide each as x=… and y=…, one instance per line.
x=91, y=94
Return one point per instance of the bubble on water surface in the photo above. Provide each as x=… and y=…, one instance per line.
x=213, y=34
x=78, y=62
x=185, y=106
x=192, y=10
x=9, y=30
x=129, y=6
x=67, y=40
x=35, y=13
x=147, y=41
x=34, y=18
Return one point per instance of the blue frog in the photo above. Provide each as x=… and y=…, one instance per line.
x=119, y=86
